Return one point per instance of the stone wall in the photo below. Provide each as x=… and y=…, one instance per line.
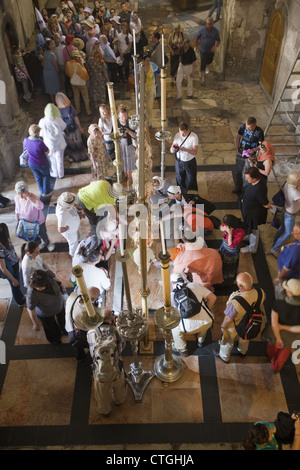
x=243, y=30
x=19, y=16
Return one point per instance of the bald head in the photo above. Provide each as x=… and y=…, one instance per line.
x=244, y=281
x=94, y=293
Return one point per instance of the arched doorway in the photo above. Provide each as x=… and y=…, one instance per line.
x=272, y=51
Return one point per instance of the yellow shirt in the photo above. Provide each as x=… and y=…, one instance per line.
x=95, y=195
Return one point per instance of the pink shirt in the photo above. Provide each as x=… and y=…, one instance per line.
x=28, y=211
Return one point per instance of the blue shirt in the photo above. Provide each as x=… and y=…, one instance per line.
x=250, y=139
x=208, y=38
x=289, y=258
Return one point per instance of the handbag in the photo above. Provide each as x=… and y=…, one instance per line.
x=20, y=76
x=279, y=198
x=277, y=219
x=24, y=158
x=76, y=80
x=27, y=231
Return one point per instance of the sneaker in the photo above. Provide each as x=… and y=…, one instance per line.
x=202, y=80
x=206, y=71
x=273, y=253
x=247, y=249
x=216, y=352
x=51, y=247
x=183, y=353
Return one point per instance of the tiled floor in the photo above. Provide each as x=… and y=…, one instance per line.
x=47, y=399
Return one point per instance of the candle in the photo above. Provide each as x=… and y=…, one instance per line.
x=163, y=241
x=134, y=44
x=112, y=107
x=163, y=50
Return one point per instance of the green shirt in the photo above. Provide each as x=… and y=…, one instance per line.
x=96, y=195
x=272, y=444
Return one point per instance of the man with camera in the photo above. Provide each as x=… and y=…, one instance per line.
x=248, y=137
x=185, y=148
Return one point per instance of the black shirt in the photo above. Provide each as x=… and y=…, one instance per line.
x=288, y=314
x=188, y=57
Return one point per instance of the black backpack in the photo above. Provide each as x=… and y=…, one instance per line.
x=186, y=302
x=250, y=325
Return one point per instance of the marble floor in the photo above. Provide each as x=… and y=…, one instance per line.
x=47, y=400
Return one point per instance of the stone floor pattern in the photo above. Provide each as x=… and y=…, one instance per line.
x=46, y=397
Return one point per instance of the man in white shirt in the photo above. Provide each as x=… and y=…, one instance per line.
x=185, y=148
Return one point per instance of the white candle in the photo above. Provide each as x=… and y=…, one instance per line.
x=134, y=44
x=162, y=234
x=163, y=50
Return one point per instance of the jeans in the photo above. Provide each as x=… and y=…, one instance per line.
x=16, y=290
x=42, y=177
x=284, y=231
x=217, y=5
x=186, y=175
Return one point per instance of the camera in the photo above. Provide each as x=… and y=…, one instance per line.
x=176, y=147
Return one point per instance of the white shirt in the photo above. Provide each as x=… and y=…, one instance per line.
x=122, y=42
x=292, y=194
x=29, y=265
x=136, y=25
x=94, y=277
x=106, y=128
x=68, y=217
x=190, y=143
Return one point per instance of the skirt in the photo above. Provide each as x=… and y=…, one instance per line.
x=128, y=156
x=230, y=258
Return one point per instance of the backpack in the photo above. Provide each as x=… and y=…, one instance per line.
x=250, y=325
x=186, y=301
x=106, y=357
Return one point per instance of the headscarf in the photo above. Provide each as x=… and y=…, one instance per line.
x=51, y=111
x=268, y=154
x=106, y=47
x=92, y=127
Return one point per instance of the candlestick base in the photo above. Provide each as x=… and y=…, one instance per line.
x=163, y=135
x=168, y=371
x=91, y=322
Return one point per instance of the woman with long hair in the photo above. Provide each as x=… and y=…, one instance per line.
x=124, y=49
x=106, y=127
x=9, y=265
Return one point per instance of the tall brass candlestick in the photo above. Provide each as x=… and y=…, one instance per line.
x=143, y=242
x=90, y=317
x=167, y=367
x=116, y=135
x=163, y=135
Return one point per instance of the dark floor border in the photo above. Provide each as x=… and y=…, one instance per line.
x=79, y=432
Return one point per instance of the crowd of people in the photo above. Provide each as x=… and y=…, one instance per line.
x=79, y=46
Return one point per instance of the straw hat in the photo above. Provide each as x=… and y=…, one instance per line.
x=75, y=54
x=89, y=22
x=79, y=43
x=66, y=200
x=293, y=286
x=116, y=190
